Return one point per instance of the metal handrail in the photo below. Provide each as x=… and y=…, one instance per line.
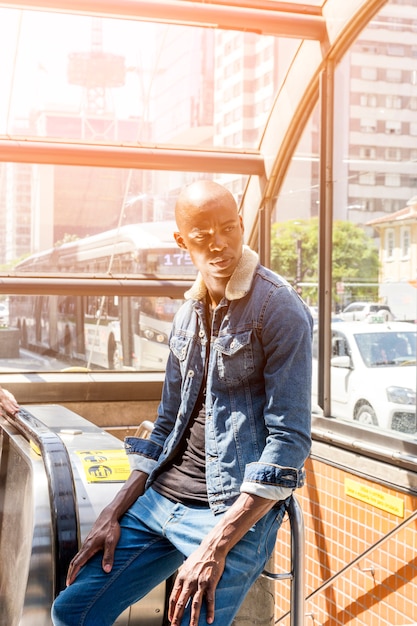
x=364, y=554
x=335, y=576
x=296, y=575
x=61, y=490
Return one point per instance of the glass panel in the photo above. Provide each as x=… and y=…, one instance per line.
x=119, y=81
x=93, y=332
x=373, y=363
x=125, y=83
x=374, y=297
x=48, y=210
x=294, y=243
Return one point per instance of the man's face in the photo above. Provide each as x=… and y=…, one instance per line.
x=213, y=235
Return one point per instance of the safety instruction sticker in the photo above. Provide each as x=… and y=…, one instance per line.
x=105, y=466
x=375, y=497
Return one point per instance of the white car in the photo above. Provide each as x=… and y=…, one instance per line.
x=373, y=374
x=359, y=311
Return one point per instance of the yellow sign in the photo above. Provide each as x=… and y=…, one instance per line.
x=372, y=496
x=105, y=465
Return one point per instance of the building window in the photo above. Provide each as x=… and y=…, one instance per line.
x=393, y=102
x=366, y=152
x=392, y=180
x=393, y=127
x=236, y=66
x=405, y=243
x=389, y=205
x=393, y=75
x=395, y=50
x=368, y=100
x=368, y=48
x=368, y=125
x=369, y=73
x=393, y=154
x=369, y=205
x=367, y=178
x=389, y=244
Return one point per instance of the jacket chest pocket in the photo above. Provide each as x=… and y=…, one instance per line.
x=180, y=346
x=234, y=357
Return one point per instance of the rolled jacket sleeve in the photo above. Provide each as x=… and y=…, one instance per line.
x=143, y=454
x=271, y=481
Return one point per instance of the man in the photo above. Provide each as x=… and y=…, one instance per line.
x=207, y=491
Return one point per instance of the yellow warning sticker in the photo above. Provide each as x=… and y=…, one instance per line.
x=376, y=498
x=104, y=466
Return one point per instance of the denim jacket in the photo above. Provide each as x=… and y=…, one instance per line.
x=258, y=388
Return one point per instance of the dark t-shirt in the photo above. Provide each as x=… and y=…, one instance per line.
x=184, y=478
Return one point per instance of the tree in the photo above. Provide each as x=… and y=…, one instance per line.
x=294, y=255
x=10, y=265
x=67, y=238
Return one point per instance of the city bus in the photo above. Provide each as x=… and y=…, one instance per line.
x=105, y=331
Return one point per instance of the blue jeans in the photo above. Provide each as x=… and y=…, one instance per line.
x=157, y=535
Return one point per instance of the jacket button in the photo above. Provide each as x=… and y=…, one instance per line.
x=190, y=373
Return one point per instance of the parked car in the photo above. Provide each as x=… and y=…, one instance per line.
x=373, y=373
x=359, y=311
x=334, y=319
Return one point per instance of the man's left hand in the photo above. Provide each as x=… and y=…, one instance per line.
x=196, y=582
x=8, y=402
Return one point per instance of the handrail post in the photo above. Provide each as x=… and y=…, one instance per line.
x=297, y=563
x=296, y=575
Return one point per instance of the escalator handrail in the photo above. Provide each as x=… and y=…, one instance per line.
x=61, y=487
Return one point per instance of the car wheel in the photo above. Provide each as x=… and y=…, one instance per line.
x=366, y=415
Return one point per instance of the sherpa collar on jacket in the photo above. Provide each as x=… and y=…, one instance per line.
x=239, y=283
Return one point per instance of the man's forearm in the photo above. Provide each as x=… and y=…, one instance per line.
x=198, y=577
x=129, y=493
x=241, y=516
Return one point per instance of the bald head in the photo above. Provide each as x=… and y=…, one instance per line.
x=211, y=229
x=202, y=195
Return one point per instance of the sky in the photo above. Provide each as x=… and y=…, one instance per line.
x=34, y=55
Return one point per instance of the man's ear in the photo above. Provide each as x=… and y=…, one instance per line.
x=180, y=241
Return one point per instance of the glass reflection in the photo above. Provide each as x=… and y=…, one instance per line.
x=90, y=332
x=374, y=237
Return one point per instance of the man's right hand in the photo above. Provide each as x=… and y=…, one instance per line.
x=105, y=533
x=104, y=536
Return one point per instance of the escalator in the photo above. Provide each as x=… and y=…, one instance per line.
x=57, y=472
